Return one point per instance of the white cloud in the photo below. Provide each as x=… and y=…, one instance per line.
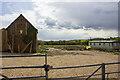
x=60, y=0
x=65, y=34
x=44, y=13
x=94, y=15
x=30, y=15
x=76, y=0
x=7, y=19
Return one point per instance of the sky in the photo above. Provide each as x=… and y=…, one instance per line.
x=65, y=19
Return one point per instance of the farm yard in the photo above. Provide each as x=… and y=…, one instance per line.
x=60, y=40
x=20, y=38
x=68, y=58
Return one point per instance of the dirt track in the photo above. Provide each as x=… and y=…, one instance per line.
x=86, y=58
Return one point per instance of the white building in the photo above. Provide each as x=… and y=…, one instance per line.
x=108, y=45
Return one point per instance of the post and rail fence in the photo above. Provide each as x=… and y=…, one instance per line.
x=48, y=67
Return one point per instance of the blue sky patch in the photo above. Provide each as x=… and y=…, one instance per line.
x=13, y=7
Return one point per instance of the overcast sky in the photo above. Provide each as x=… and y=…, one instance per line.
x=60, y=20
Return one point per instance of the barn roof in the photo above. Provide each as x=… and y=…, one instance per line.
x=23, y=18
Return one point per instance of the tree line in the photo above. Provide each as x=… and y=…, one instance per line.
x=64, y=42
x=73, y=42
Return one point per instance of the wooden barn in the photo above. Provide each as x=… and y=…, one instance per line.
x=22, y=36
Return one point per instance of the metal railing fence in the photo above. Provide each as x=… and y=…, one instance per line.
x=19, y=67
x=48, y=67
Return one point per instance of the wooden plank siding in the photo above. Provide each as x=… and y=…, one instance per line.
x=18, y=31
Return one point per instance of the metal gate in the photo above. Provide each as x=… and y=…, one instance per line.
x=48, y=67
x=45, y=66
x=100, y=66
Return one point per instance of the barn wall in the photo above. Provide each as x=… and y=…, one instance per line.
x=20, y=41
x=3, y=40
x=0, y=40
x=15, y=38
x=0, y=50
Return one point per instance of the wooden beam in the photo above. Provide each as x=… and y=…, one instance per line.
x=12, y=44
x=26, y=47
x=9, y=45
x=31, y=47
x=18, y=48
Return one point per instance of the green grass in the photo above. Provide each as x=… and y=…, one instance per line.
x=116, y=53
x=47, y=46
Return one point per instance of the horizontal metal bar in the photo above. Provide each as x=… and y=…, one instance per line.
x=106, y=73
x=23, y=77
x=81, y=76
x=8, y=56
x=112, y=72
x=22, y=67
x=57, y=78
x=84, y=66
x=76, y=66
x=112, y=63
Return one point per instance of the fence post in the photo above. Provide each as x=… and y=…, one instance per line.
x=46, y=71
x=45, y=59
x=103, y=71
x=46, y=75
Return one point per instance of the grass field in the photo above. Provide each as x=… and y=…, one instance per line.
x=47, y=46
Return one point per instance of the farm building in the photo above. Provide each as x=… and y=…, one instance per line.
x=22, y=36
x=107, y=45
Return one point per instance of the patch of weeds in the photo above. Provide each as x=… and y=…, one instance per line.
x=77, y=53
x=119, y=50
x=65, y=53
x=115, y=53
x=108, y=50
x=50, y=54
x=42, y=51
x=82, y=53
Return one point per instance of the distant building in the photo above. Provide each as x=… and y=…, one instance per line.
x=22, y=36
x=107, y=45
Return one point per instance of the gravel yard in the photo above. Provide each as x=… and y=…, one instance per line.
x=84, y=58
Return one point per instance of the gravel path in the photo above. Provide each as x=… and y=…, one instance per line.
x=85, y=58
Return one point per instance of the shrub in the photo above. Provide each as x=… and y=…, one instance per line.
x=116, y=53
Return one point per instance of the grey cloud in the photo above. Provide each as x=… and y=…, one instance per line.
x=97, y=27
x=89, y=14
x=60, y=25
x=50, y=22
x=68, y=25
x=65, y=25
x=77, y=27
